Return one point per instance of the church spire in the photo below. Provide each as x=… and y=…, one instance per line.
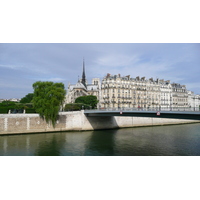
x=83, y=75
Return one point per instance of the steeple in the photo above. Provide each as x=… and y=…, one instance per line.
x=83, y=75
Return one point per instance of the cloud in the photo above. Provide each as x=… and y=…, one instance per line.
x=23, y=64
x=134, y=65
x=116, y=60
x=53, y=79
x=8, y=66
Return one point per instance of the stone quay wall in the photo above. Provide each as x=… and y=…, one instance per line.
x=76, y=121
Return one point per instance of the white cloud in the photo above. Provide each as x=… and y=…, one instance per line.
x=55, y=79
x=116, y=60
x=9, y=66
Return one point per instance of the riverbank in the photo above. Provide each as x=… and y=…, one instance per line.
x=76, y=121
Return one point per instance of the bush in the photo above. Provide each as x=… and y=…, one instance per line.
x=30, y=110
x=16, y=107
x=7, y=103
x=29, y=105
x=4, y=110
x=75, y=106
x=89, y=100
x=5, y=106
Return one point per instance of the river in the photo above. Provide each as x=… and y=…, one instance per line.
x=174, y=140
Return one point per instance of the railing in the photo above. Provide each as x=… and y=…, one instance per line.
x=186, y=109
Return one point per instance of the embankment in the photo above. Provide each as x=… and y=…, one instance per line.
x=71, y=121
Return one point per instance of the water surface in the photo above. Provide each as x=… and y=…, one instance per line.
x=175, y=140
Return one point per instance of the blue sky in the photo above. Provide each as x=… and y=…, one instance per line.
x=21, y=64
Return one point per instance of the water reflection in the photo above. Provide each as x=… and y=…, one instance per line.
x=27, y=144
x=101, y=143
x=51, y=146
x=141, y=142
x=5, y=145
x=76, y=142
x=144, y=141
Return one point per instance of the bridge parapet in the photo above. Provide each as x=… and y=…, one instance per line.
x=193, y=115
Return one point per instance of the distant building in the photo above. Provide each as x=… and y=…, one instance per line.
x=82, y=88
x=13, y=99
x=193, y=100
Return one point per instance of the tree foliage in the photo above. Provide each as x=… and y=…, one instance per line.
x=89, y=100
x=75, y=106
x=5, y=106
x=48, y=97
x=16, y=107
x=27, y=99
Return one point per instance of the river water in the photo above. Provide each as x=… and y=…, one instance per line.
x=174, y=140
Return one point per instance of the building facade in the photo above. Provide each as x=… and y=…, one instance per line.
x=193, y=101
x=126, y=92
x=119, y=92
x=179, y=96
x=165, y=95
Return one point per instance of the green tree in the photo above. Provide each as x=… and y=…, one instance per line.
x=48, y=97
x=5, y=106
x=8, y=103
x=75, y=106
x=27, y=99
x=89, y=100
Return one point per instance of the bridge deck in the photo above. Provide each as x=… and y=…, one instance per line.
x=194, y=115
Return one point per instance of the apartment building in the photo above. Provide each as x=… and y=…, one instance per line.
x=126, y=92
x=116, y=91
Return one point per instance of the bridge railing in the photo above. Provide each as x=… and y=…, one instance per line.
x=190, y=109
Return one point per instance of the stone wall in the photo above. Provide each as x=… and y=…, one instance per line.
x=69, y=121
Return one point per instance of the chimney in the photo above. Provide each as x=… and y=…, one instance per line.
x=108, y=75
